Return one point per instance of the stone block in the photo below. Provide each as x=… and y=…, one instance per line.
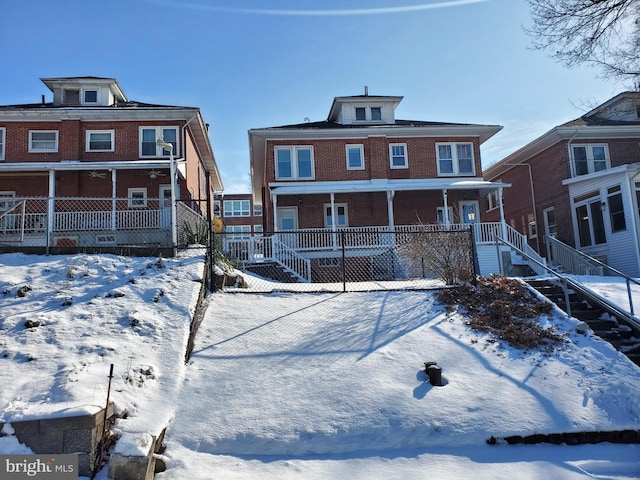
x=123, y=467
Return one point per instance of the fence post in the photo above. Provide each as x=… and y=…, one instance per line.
x=344, y=274
x=474, y=256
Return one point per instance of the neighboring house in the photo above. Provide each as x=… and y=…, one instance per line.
x=86, y=169
x=239, y=214
x=363, y=170
x=579, y=183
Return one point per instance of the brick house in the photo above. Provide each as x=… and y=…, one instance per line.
x=579, y=183
x=363, y=170
x=86, y=169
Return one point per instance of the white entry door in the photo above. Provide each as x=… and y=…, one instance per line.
x=288, y=220
x=165, y=206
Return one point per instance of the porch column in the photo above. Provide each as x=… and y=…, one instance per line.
x=113, y=200
x=51, y=205
x=334, y=237
x=390, y=195
x=445, y=215
x=502, y=221
x=274, y=202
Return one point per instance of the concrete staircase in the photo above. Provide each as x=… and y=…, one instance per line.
x=604, y=322
x=273, y=271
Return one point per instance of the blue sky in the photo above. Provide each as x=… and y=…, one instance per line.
x=262, y=63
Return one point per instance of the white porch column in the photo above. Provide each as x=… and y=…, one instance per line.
x=113, y=200
x=446, y=218
x=502, y=221
x=51, y=203
x=274, y=202
x=334, y=237
x=390, y=195
x=332, y=196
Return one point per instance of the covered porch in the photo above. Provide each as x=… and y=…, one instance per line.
x=49, y=205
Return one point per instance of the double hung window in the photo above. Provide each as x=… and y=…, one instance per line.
x=355, y=157
x=148, y=137
x=2, y=142
x=43, y=141
x=294, y=163
x=341, y=217
x=398, y=155
x=589, y=158
x=455, y=159
x=100, y=141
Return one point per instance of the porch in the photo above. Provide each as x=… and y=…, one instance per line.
x=94, y=223
x=300, y=251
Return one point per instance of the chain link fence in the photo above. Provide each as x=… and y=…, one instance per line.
x=345, y=260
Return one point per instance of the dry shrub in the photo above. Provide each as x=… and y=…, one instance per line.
x=504, y=308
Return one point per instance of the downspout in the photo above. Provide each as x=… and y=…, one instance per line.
x=533, y=200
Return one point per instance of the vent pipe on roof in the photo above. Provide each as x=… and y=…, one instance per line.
x=42, y=99
x=366, y=91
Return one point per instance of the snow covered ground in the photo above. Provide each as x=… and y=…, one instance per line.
x=289, y=385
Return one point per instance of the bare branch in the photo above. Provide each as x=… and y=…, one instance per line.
x=602, y=33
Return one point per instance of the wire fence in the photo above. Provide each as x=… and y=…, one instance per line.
x=345, y=260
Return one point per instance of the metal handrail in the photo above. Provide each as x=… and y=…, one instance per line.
x=566, y=282
x=591, y=260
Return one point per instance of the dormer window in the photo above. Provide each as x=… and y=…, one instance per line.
x=371, y=114
x=90, y=96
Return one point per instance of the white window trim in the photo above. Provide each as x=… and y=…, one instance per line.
x=336, y=205
x=159, y=150
x=42, y=150
x=230, y=211
x=4, y=203
x=450, y=213
x=294, y=162
x=590, y=159
x=257, y=210
x=545, y=214
x=137, y=202
x=455, y=161
x=532, y=230
x=3, y=142
x=360, y=147
x=88, y=140
x=406, y=156
x=84, y=91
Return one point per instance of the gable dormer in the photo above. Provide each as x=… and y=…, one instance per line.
x=85, y=91
x=364, y=110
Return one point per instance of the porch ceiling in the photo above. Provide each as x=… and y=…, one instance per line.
x=75, y=165
x=382, y=185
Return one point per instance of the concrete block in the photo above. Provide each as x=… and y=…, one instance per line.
x=122, y=467
x=80, y=440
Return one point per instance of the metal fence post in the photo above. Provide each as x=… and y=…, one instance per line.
x=474, y=256
x=344, y=273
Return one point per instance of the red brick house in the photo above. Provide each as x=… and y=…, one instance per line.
x=86, y=169
x=579, y=183
x=365, y=171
